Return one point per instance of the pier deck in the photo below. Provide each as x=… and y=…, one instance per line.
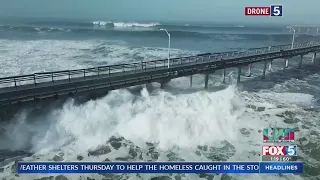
x=43, y=85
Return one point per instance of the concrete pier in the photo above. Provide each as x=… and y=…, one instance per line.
x=270, y=65
x=300, y=61
x=239, y=74
x=314, y=58
x=249, y=70
x=224, y=76
x=43, y=85
x=287, y=62
x=264, y=70
x=164, y=83
x=206, y=80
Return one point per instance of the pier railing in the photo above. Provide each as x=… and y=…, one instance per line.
x=111, y=70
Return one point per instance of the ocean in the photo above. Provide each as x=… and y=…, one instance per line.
x=146, y=123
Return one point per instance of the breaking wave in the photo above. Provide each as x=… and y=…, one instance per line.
x=124, y=24
x=148, y=30
x=106, y=29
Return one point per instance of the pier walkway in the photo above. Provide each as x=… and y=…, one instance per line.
x=53, y=84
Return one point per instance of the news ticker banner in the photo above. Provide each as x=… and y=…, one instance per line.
x=160, y=167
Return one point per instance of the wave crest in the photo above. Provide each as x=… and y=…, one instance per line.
x=125, y=24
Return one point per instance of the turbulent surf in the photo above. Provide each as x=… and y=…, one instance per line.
x=146, y=123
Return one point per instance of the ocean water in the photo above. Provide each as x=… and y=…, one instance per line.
x=177, y=123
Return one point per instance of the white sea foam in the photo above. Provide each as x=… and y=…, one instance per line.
x=26, y=57
x=180, y=121
x=101, y=23
x=133, y=24
x=126, y=24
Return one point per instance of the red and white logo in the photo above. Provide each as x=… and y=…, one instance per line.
x=257, y=11
x=273, y=151
x=290, y=150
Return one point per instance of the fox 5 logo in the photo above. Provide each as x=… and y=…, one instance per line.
x=279, y=150
x=276, y=10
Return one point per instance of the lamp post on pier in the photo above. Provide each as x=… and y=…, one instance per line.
x=168, y=46
x=294, y=33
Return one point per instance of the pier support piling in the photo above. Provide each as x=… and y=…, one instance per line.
x=314, y=58
x=141, y=65
x=239, y=74
x=249, y=70
x=264, y=70
x=163, y=83
x=285, y=64
x=224, y=75
x=300, y=62
x=206, y=79
x=270, y=65
x=191, y=81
